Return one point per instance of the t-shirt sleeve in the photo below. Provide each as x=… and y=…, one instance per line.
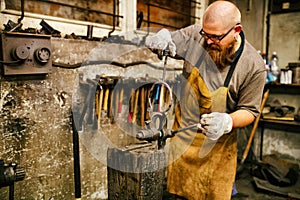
x=251, y=91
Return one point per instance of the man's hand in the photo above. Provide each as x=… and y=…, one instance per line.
x=215, y=124
x=161, y=41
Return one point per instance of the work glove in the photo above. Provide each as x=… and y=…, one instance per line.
x=161, y=41
x=215, y=124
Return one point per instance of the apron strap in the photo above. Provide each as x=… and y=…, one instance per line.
x=236, y=57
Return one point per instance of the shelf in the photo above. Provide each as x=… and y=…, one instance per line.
x=283, y=88
x=290, y=126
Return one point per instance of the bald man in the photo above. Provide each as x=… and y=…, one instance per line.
x=225, y=80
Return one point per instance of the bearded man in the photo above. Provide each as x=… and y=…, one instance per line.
x=225, y=81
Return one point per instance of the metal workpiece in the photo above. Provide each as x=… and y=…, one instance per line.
x=150, y=134
x=156, y=130
x=156, y=127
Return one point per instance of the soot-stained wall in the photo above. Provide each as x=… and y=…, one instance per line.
x=35, y=123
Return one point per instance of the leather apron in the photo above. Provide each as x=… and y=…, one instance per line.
x=210, y=177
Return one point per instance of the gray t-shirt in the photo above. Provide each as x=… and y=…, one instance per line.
x=247, y=82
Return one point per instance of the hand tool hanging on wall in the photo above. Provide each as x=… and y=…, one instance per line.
x=106, y=95
x=120, y=104
x=142, y=106
x=135, y=106
x=100, y=101
x=83, y=87
x=131, y=106
x=116, y=101
x=109, y=99
x=88, y=107
x=105, y=98
x=91, y=107
x=110, y=88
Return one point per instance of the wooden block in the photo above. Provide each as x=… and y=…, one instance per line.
x=136, y=172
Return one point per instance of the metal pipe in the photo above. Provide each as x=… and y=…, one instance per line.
x=109, y=62
x=22, y=10
x=11, y=192
x=114, y=19
x=76, y=155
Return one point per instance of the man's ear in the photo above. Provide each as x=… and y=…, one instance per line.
x=238, y=28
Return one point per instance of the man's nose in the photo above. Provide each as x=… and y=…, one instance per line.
x=209, y=41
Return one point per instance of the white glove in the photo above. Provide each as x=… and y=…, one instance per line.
x=162, y=40
x=215, y=124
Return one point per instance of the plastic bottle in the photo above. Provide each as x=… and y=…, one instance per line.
x=274, y=65
x=270, y=77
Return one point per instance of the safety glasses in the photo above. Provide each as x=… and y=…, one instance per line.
x=216, y=38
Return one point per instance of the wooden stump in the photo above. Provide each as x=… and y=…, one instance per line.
x=136, y=172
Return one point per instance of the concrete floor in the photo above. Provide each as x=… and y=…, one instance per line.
x=247, y=189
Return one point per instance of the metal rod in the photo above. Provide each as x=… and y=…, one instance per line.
x=138, y=146
x=183, y=129
x=164, y=71
x=11, y=191
x=172, y=10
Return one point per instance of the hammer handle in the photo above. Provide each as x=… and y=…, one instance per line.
x=262, y=105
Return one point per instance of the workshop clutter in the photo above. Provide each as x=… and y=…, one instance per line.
x=277, y=175
x=287, y=75
x=276, y=110
x=295, y=67
x=290, y=74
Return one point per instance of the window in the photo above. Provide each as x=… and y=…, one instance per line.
x=101, y=12
x=173, y=14
x=107, y=16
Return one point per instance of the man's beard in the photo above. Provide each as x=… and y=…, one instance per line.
x=222, y=57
